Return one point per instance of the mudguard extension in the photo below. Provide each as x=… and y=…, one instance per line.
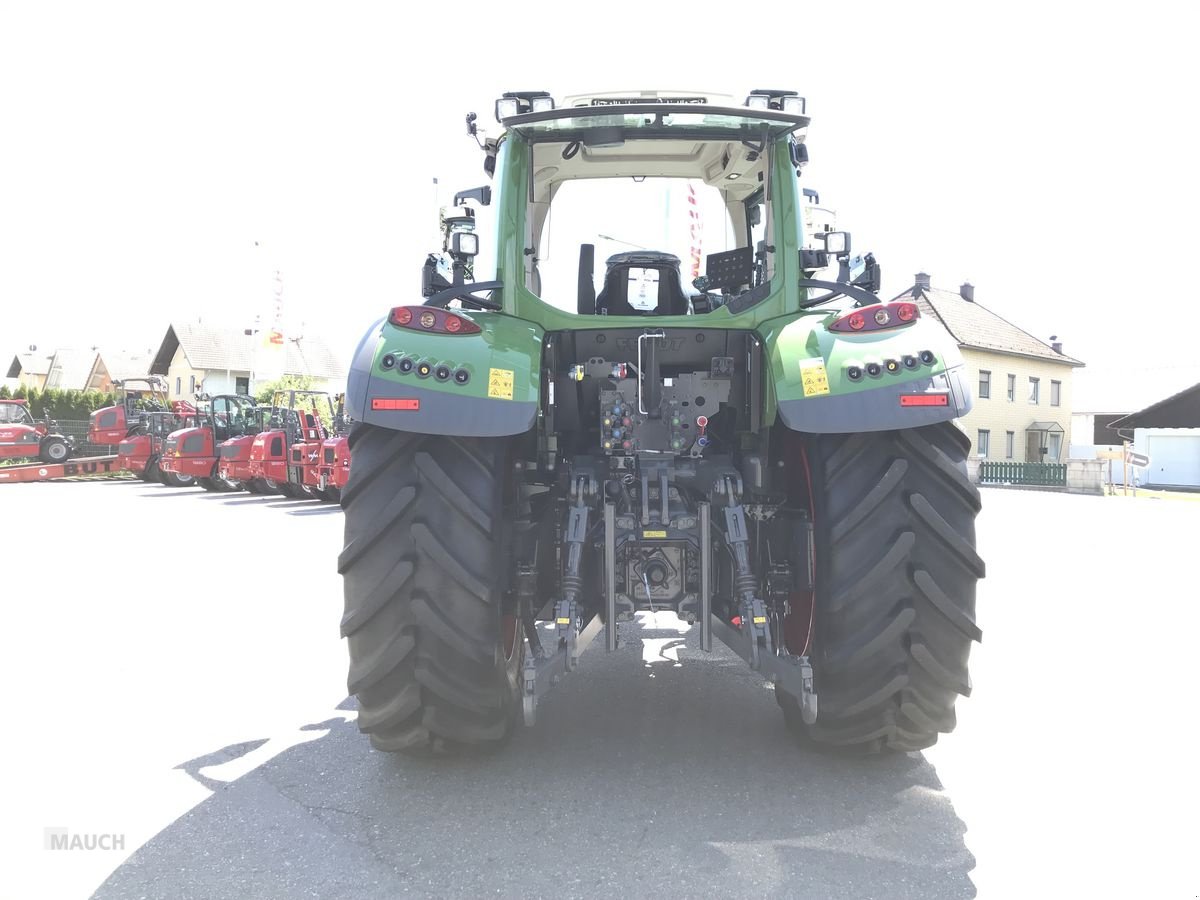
x=499, y=396
x=812, y=367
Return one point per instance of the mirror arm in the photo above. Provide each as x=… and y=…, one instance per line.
x=464, y=292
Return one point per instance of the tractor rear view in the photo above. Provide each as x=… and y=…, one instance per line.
x=757, y=443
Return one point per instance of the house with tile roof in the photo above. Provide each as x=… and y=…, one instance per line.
x=65, y=369
x=197, y=357
x=1022, y=385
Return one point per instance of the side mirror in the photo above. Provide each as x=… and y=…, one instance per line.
x=482, y=195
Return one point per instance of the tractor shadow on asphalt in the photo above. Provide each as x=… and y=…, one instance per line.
x=653, y=770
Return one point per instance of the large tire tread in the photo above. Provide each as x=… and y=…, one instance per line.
x=897, y=569
x=422, y=568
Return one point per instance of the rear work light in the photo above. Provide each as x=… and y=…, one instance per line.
x=437, y=321
x=879, y=317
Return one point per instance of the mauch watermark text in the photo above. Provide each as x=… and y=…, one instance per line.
x=65, y=839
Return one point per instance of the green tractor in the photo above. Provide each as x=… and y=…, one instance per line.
x=767, y=454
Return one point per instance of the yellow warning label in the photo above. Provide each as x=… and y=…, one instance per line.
x=563, y=621
x=813, y=377
x=760, y=620
x=500, y=383
x=653, y=534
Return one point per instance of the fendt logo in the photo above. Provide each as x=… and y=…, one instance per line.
x=631, y=344
x=63, y=839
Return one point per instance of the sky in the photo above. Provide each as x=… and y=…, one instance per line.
x=159, y=161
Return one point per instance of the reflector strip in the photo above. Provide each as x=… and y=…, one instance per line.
x=400, y=403
x=924, y=399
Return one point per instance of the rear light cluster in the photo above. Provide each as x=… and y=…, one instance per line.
x=856, y=371
x=424, y=368
x=877, y=318
x=428, y=318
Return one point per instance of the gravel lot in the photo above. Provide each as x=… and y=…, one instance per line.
x=172, y=674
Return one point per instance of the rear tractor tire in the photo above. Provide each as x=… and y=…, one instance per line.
x=896, y=575
x=435, y=654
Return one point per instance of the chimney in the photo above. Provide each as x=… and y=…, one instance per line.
x=922, y=280
x=967, y=291
x=1055, y=344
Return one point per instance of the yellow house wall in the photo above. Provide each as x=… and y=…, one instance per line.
x=181, y=369
x=999, y=415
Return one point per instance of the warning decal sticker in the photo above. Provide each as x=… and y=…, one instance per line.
x=813, y=377
x=500, y=383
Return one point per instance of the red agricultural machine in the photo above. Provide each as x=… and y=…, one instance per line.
x=137, y=397
x=22, y=437
x=287, y=455
x=141, y=452
x=333, y=468
x=234, y=465
x=193, y=451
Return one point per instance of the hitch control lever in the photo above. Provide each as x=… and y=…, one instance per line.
x=649, y=375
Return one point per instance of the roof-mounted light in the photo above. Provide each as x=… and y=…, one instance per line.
x=759, y=101
x=787, y=101
x=514, y=103
x=795, y=105
x=506, y=108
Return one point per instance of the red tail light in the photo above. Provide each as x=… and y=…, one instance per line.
x=428, y=318
x=877, y=318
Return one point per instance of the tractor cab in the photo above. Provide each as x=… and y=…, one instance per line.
x=193, y=451
x=23, y=437
x=137, y=397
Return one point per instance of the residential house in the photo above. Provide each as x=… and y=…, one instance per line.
x=198, y=357
x=65, y=369
x=1022, y=385
x=29, y=369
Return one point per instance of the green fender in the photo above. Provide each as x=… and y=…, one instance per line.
x=501, y=390
x=810, y=370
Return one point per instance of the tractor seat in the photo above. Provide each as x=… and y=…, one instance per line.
x=669, y=298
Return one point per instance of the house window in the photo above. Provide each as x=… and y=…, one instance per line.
x=1010, y=440
x=981, y=443
x=178, y=386
x=192, y=389
x=985, y=384
x=1055, y=446
x=1012, y=388
x=242, y=386
x=1055, y=393
x=1035, y=387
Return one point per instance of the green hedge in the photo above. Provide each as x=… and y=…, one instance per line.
x=60, y=404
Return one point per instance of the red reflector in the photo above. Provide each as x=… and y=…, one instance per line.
x=736, y=621
x=401, y=315
x=924, y=400
x=402, y=403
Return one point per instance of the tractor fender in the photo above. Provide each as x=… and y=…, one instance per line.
x=811, y=368
x=498, y=395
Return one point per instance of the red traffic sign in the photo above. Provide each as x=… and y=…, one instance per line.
x=1140, y=460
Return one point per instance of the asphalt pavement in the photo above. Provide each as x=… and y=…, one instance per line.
x=172, y=677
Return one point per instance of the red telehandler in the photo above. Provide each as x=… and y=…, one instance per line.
x=333, y=467
x=234, y=465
